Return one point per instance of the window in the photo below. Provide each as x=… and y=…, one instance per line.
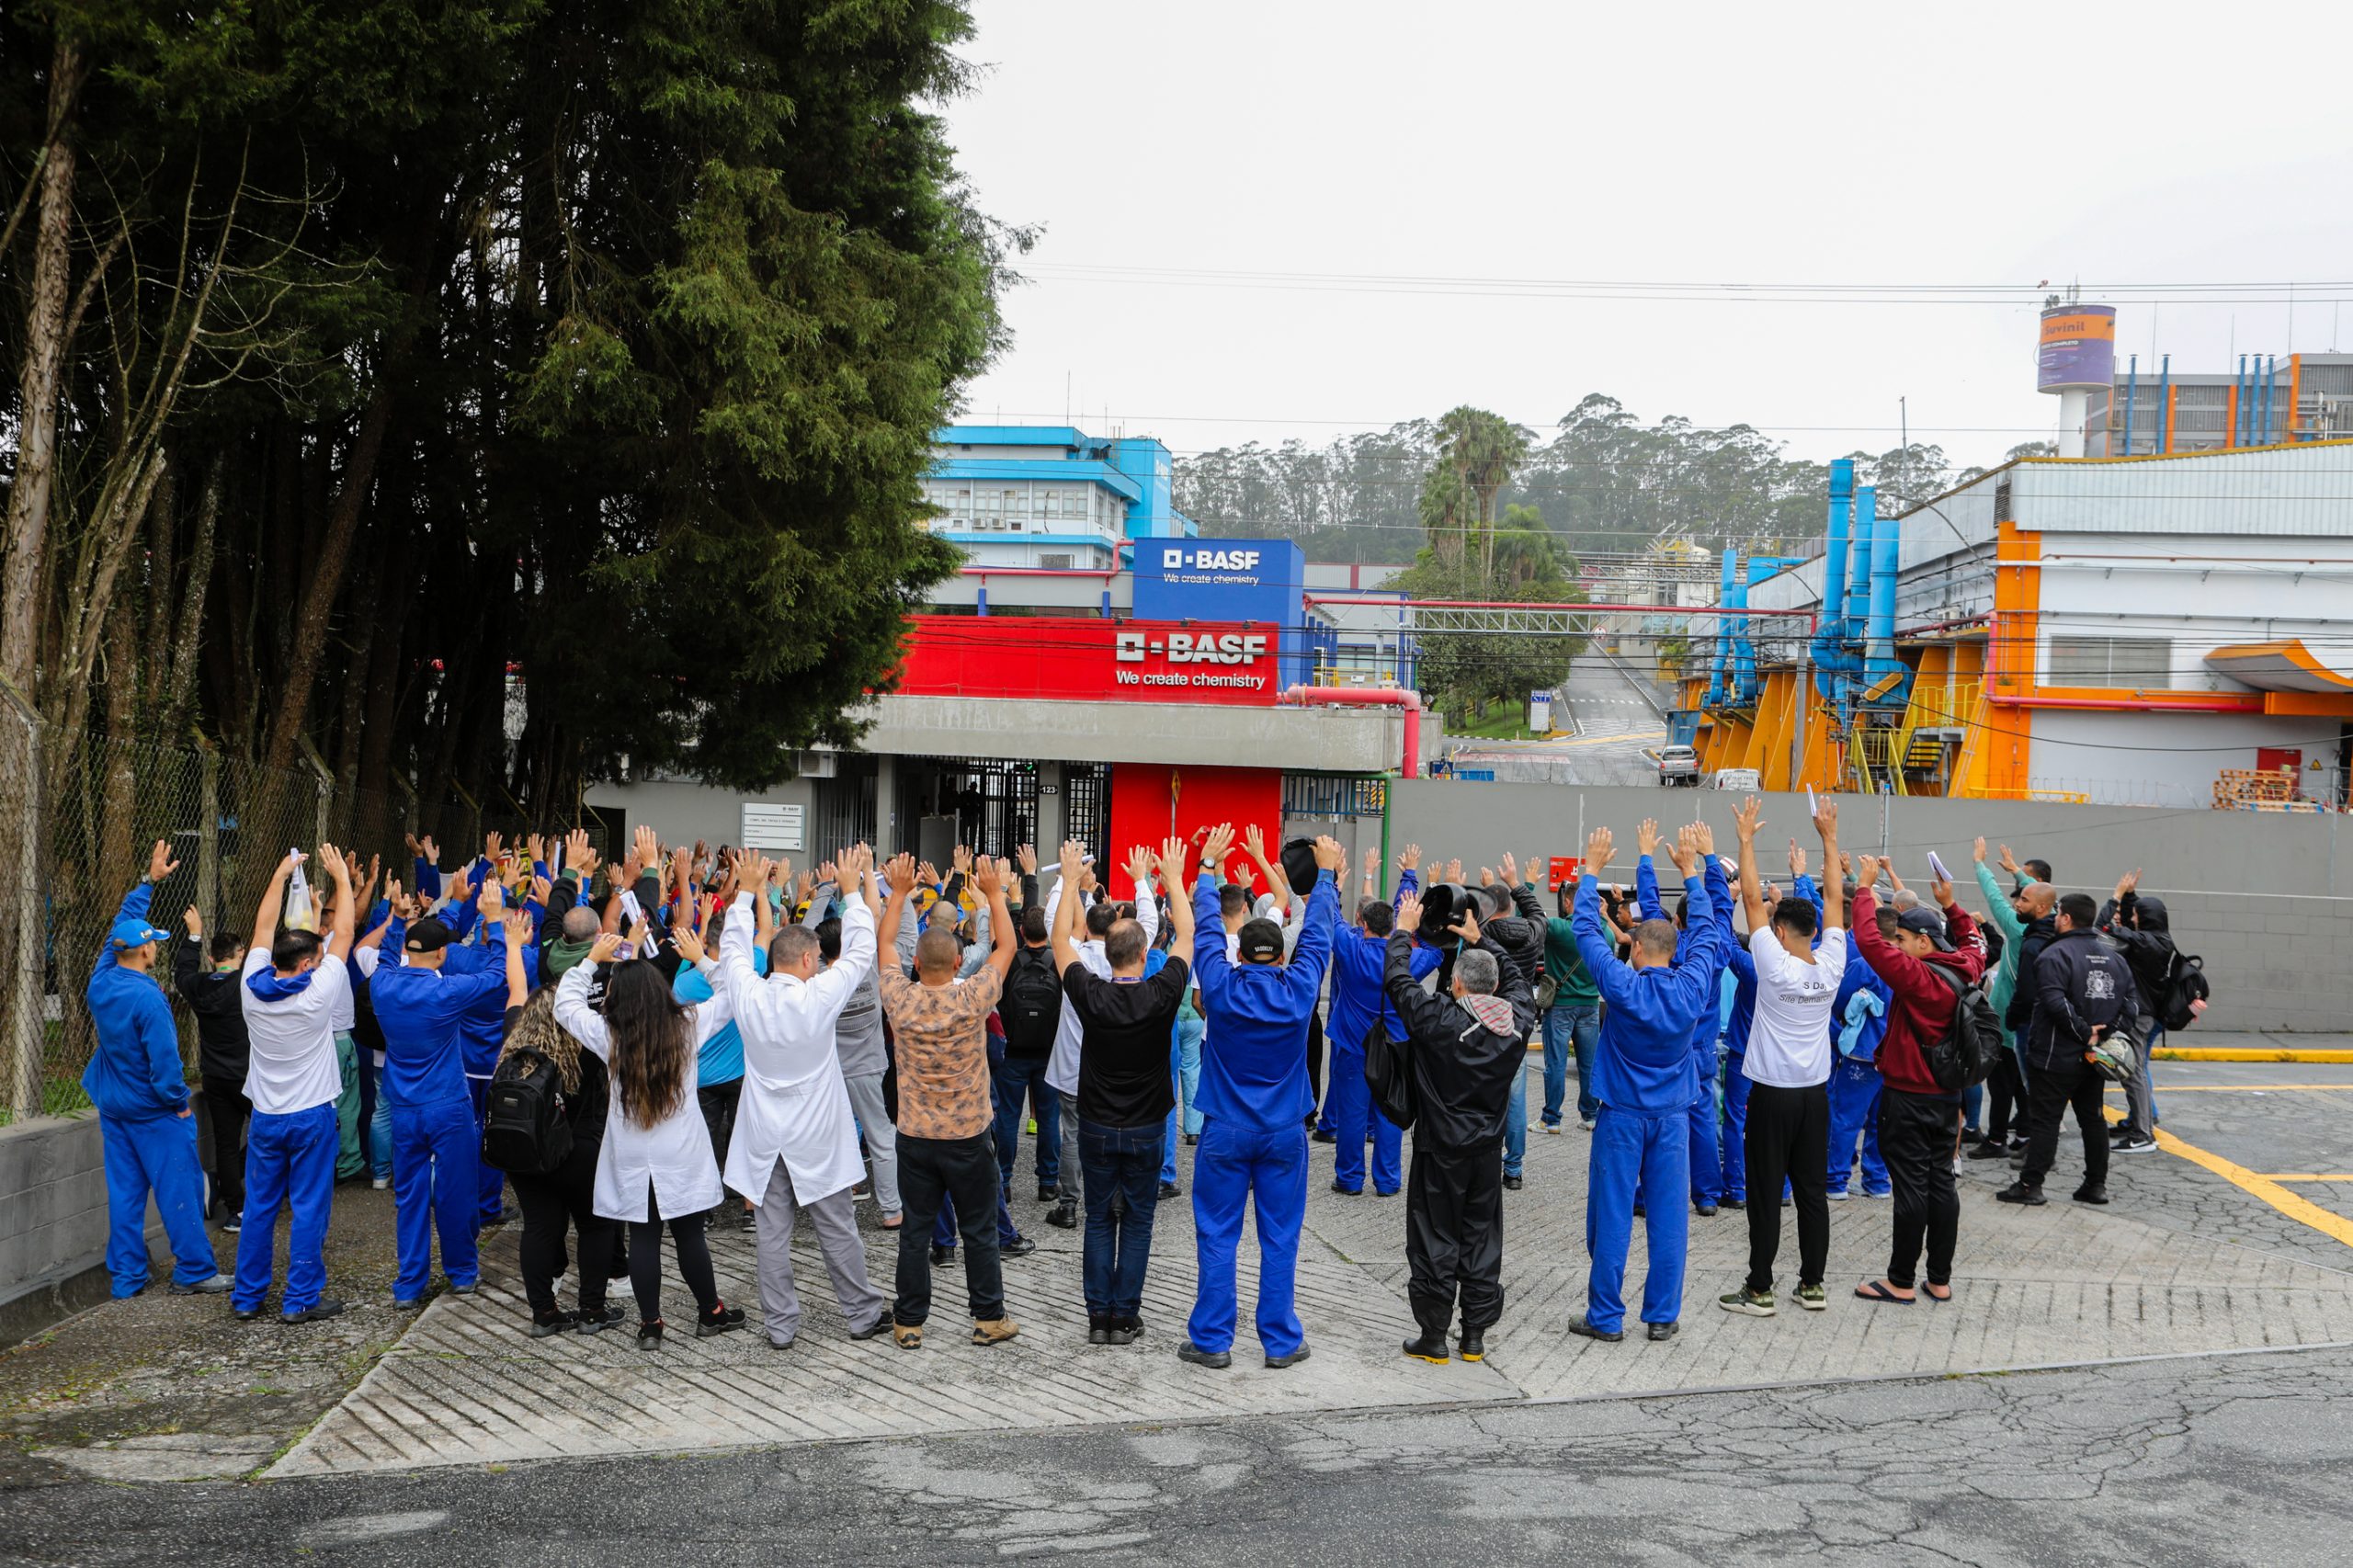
x=1054, y=561
x=2127, y=662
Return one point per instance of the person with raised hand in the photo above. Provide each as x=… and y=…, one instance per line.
x=945, y=1147
x=1644, y=1080
x=1360, y=1006
x=1255, y=1095
x=146, y=1124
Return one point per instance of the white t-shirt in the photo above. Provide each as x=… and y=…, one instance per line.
x=292, y=1066
x=1788, y=1042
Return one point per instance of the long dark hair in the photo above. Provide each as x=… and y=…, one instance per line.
x=651, y=1036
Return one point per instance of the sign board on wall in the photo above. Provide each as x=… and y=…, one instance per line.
x=1083, y=659
x=1562, y=868
x=1539, y=712
x=772, y=827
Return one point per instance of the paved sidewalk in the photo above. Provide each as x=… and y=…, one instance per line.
x=2060, y=1284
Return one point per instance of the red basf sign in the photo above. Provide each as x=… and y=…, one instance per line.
x=1089, y=660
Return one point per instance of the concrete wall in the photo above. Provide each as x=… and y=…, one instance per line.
x=1352, y=740
x=53, y=1222
x=2267, y=899
x=683, y=810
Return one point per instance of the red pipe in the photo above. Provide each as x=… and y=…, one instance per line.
x=2135, y=704
x=1038, y=571
x=1372, y=697
x=1708, y=611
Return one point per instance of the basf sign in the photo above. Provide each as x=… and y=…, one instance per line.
x=1086, y=660
x=1232, y=565
x=1258, y=581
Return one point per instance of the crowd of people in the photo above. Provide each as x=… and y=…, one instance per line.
x=685, y=1037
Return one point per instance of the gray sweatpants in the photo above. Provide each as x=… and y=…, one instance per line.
x=1071, y=1180
x=2140, y=1093
x=835, y=1219
x=882, y=1138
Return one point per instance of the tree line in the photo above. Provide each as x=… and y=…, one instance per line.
x=475, y=392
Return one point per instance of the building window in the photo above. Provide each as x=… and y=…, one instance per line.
x=2125, y=663
x=1054, y=561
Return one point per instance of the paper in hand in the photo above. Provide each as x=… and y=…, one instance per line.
x=630, y=913
x=1813, y=806
x=1937, y=867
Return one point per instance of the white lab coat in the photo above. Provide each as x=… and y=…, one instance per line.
x=1061, y=1072
x=674, y=1154
x=795, y=1104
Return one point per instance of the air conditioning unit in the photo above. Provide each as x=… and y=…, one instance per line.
x=1059, y=560
x=819, y=764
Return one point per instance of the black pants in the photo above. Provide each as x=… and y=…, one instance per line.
x=1314, y=1063
x=966, y=1170
x=1916, y=1134
x=565, y=1195
x=718, y=1102
x=225, y=1099
x=1787, y=1137
x=2070, y=1081
x=2006, y=1101
x=1454, y=1235
x=645, y=1260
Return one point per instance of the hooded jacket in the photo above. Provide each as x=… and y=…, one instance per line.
x=1924, y=1004
x=2079, y=982
x=2147, y=943
x=2033, y=938
x=211, y=994
x=1467, y=1049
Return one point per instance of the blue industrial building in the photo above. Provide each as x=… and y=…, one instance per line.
x=1051, y=497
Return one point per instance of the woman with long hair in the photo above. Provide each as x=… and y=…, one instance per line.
x=549, y=1198
x=655, y=1164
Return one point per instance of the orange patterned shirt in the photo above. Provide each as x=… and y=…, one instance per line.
x=942, y=1047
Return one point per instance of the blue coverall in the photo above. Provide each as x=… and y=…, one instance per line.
x=1854, y=1078
x=1357, y=1003
x=1703, y=1138
x=1644, y=1077
x=144, y=1125
x=1256, y=1101
x=483, y=1032
x=436, y=1149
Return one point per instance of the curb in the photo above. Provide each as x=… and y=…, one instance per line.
x=2251, y=1053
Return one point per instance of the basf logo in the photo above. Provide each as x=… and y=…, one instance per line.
x=1211, y=565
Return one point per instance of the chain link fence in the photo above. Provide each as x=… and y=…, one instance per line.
x=76, y=830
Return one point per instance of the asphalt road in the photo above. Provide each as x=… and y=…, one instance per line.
x=1613, y=724
x=2224, y=1459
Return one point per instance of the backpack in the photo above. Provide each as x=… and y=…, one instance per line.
x=2185, y=992
x=524, y=1128
x=1389, y=1075
x=1973, y=1043
x=1031, y=1004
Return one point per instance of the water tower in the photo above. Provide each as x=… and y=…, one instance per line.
x=2078, y=355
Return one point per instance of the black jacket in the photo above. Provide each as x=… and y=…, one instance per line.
x=1518, y=940
x=2147, y=947
x=2031, y=941
x=214, y=995
x=1462, y=1069
x=2079, y=980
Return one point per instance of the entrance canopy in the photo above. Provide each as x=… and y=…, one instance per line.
x=2286, y=666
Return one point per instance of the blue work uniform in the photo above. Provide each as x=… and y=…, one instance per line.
x=436, y=1147
x=1858, y=1023
x=481, y=1033
x=1358, y=1004
x=1256, y=1102
x=137, y=1082
x=1703, y=1137
x=1644, y=1077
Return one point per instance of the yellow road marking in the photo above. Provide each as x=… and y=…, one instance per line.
x=2287, y=1176
x=2303, y=1210
x=2251, y=1053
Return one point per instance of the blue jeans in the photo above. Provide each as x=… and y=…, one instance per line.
x=1019, y=1084
x=1185, y=1082
x=1735, y=1126
x=1636, y=1156
x=1570, y=1028
x=1189, y=1030
x=1854, y=1110
x=1266, y=1167
x=1121, y=1163
x=156, y=1154
x=437, y=1182
x=1516, y=1122
x=380, y=1127
x=290, y=1162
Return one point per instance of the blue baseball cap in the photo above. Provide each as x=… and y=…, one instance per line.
x=133, y=932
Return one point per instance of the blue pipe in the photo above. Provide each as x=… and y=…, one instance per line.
x=1858, y=588
x=2163, y=442
x=2131, y=385
x=2270, y=381
x=1886, y=563
x=1743, y=671
x=1829, y=658
x=1715, y=696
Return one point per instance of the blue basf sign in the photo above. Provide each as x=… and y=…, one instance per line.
x=1224, y=579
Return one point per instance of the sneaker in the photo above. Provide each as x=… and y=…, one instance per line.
x=749, y=1222
x=2135, y=1146
x=942, y=1256
x=1050, y=1192
x=725, y=1320
x=1878, y=1192
x=1347, y=1192
x=649, y=1335
x=2019, y=1192
x=1126, y=1331
x=380, y=1183
x=216, y=1285
x=318, y=1312
x=595, y=1320
x=1215, y=1361
x=1512, y=1184
x=1169, y=1189
x=1748, y=1304
x=1553, y=1128
x=1813, y=1298
x=2093, y=1195
x=1583, y=1328
x=1277, y=1363
x=1063, y=1216
x=1705, y=1211
x=1659, y=1331
x=1584, y=1126
x=1736, y=1203
x=1319, y=1136
x=1988, y=1150
x=1019, y=1246
x=1430, y=1347
x=1839, y=1194
x=232, y=1226
x=553, y=1323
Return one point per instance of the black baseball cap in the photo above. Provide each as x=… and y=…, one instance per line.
x=427, y=936
x=1260, y=939
x=1921, y=920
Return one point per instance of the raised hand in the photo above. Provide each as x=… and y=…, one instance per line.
x=1486, y=876
x=1028, y=855
x=1687, y=849
x=490, y=843
x=2009, y=864
x=160, y=863
x=430, y=848
x=1255, y=842
x=1646, y=836
x=988, y=878
x=2127, y=883
x=1825, y=821
x=1172, y=865
x=928, y=872
x=577, y=856
x=1797, y=858
x=1703, y=836
x=961, y=858
x=1941, y=891
x=193, y=921
x=1330, y=855
x=1866, y=870
x=540, y=888
x=646, y=847
x=1409, y=912
x=1511, y=867
x=1410, y=857
x=1748, y=817
x=1453, y=871
x=1467, y=927
x=492, y=902
x=1217, y=846
x=1977, y=850
x=901, y=874
x=1140, y=865
x=409, y=840
x=1600, y=847
x=688, y=943
x=537, y=846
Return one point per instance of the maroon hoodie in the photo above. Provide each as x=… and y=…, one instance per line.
x=1923, y=1011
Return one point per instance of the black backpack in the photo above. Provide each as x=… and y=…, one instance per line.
x=1973, y=1043
x=524, y=1128
x=1389, y=1075
x=2185, y=985
x=1031, y=1005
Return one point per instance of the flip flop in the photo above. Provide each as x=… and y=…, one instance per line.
x=1877, y=1290
x=1930, y=1292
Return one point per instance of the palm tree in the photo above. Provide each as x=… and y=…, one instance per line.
x=1477, y=455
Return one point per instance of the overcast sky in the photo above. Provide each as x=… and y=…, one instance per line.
x=1532, y=140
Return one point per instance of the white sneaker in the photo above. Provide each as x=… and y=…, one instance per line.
x=1584, y=1126
x=1840, y=1196
x=380, y=1183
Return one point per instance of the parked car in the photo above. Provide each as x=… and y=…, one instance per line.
x=1734, y=778
x=1677, y=765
